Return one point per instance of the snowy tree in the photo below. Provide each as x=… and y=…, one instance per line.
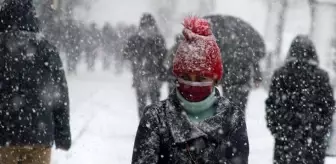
x=312, y=6
x=323, y=32
x=275, y=27
x=273, y=37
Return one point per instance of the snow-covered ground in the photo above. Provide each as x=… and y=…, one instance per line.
x=104, y=121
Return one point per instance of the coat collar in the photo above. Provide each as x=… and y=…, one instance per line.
x=183, y=130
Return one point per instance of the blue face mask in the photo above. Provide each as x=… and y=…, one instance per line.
x=195, y=108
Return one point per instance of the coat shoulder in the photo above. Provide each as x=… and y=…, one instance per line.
x=225, y=105
x=45, y=44
x=323, y=74
x=156, y=110
x=230, y=110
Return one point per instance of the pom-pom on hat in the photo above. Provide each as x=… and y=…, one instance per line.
x=198, y=53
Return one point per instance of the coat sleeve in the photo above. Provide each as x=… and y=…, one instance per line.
x=147, y=140
x=61, y=111
x=326, y=105
x=239, y=149
x=126, y=49
x=129, y=52
x=169, y=58
x=260, y=53
x=273, y=105
x=257, y=76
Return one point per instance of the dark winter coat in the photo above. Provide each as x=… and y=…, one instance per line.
x=300, y=105
x=241, y=46
x=153, y=55
x=146, y=50
x=34, y=106
x=165, y=135
x=34, y=103
x=18, y=15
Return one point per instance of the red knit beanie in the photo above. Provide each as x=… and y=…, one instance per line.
x=198, y=53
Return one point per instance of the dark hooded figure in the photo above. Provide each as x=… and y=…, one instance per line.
x=34, y=103
x=300, y=107
x=242, y=48
x=194, y=125
x=146, y=50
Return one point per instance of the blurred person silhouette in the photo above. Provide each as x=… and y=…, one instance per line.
x=146, y=50
x=72, y=43
x=110, y=37
x=93, y=42
x=34, y=103
x=300, y=106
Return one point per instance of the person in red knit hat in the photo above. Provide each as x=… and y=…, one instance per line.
x=194, y=124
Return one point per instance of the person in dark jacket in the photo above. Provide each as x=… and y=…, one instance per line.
x=34, y=103
x=242, y=48
x=195, y=124
x=300, y=106
x=147, y=50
